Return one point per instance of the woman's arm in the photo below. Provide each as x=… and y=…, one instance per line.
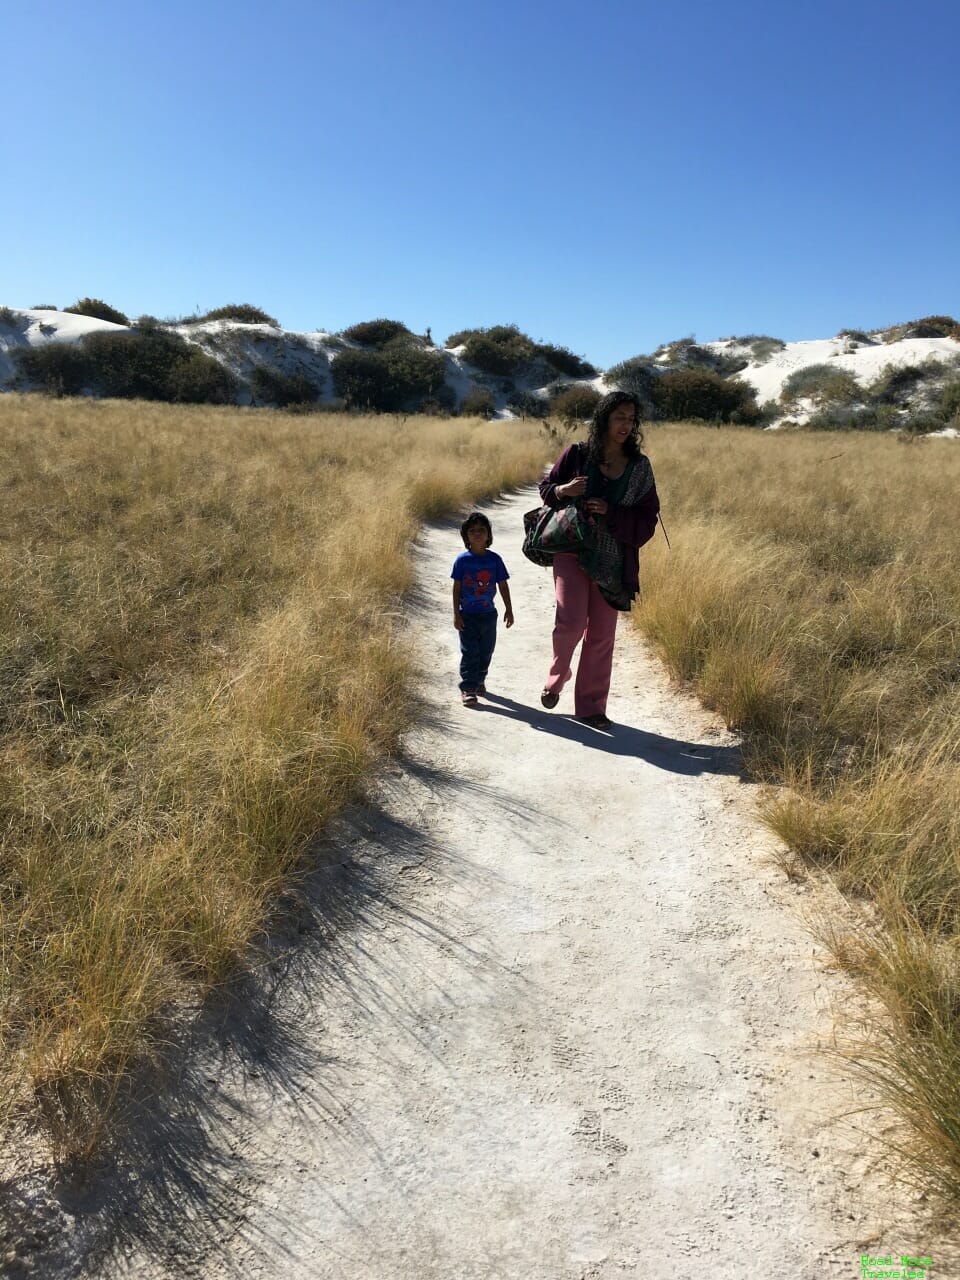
x=569, y=465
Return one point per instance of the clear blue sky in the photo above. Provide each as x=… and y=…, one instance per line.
x=606, y=175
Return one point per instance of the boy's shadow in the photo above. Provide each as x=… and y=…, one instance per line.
x=672, y=754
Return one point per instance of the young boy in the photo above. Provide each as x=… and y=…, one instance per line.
x=476, y=575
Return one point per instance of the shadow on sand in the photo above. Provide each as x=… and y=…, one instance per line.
x=178, y=1182
x=670, y=754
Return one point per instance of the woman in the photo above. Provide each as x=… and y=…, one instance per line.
x=614, y=483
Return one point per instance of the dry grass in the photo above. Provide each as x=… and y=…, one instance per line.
x=813, y=597
x=200, y=661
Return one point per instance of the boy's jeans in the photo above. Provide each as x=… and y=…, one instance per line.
x=477, y=641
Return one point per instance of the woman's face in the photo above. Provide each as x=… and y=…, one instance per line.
x=621, y=423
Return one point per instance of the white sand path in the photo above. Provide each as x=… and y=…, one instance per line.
x=567, y=1035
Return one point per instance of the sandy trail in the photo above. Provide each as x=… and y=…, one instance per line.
x=565, y=1031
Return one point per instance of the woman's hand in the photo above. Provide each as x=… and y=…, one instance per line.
x=573, y=488
x=597, y=506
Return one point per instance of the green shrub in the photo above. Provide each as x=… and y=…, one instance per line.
x=485, y=354
x=154, y=366
x=59, y=368
x=501, y=349
x=8, y=318
x=441, y=404
x=823, y=383
x=762, y=347
x=564, y=361
x=674, y=352
x=376, y=333
x=949, y=404
x=895, y=383
x=527, y=404
x=576, y=404
x=398, y=377
x=270, y=386
x=242, y=312
x=927, y=327
x=98, y=310
x=44, y=306
x=701, y=393
x=856, y=335
x=478, y=402
x=636, y=375
x=838, y=417
x=459, y=338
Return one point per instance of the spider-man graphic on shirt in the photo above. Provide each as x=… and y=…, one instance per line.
x=478, y=576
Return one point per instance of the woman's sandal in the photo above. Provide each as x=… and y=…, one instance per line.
x=549, y=698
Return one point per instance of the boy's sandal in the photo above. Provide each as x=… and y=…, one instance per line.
x=549, y=698
x=468, y=697
x=481, y=690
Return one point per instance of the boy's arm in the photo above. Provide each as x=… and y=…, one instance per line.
x=507, y=606
x=457, y=615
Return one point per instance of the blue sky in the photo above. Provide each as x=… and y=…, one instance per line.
x=607, y=176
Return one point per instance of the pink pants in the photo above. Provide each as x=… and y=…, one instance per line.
x=581, y=612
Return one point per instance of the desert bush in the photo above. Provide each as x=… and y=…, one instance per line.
x=58, y=368
x=838, y=417
x=927, y=327
x=701, y=393
x=501, y=349
x=856, y=335
x=376, y=333
x=44, y=306
x=442, y=403
x=399, y=376
x=574, y=404
x=242, y=312
x=9, y=319
x=143, y=366
x=479, y=402
x=155, y=366
x=98, y=310
x=527, y=404
x=896, y=383
x=637, y=375
x=763, y=348
x=459, y=338
x=949, y=402
x=272, y=387
x=564, y=361
x=761, y=345
x=823, y=383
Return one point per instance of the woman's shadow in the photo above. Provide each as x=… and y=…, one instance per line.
x=671, y=754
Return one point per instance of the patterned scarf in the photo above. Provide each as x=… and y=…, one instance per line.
x=603, y=559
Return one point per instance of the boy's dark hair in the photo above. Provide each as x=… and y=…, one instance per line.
x=601, y=420
x=476, y=517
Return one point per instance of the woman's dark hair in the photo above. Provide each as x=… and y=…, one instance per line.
x=476, y=517
x=601, y=420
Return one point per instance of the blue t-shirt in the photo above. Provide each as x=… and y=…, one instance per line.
x=478, y=576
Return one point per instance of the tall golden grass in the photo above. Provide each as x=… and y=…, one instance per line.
x=812, y=596
x=200, y=660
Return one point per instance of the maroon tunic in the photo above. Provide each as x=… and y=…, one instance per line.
x=631, y=526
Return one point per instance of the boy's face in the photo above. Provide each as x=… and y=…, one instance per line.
x=477, y=538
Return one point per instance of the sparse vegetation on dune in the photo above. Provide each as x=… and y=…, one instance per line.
x=200, y=661
x=812, y=595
